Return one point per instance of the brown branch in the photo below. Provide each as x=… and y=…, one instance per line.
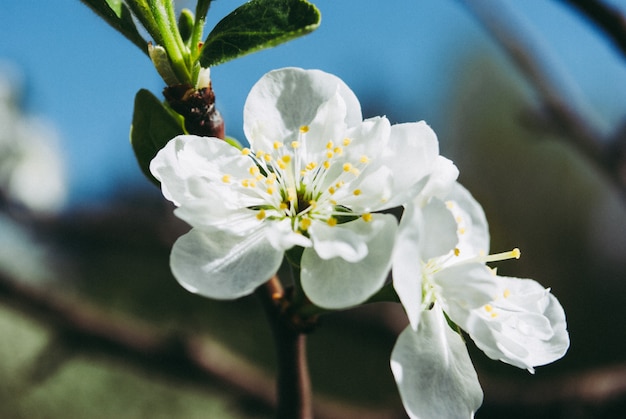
x=607, y=18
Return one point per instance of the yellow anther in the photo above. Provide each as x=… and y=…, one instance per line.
x=332, y=222
x=488, y=308
x=267, y=157
x=357, y=192
x=226, y=178
x=260, y=215
x=326, y=164
x=260, y=154
x=245, y=151
x=516, y=253
x=331, y=190
x=245, y=183
x=312, y=204
x=493, y=315
x=302, y=172
x=364, y=159
x=340, y=184
x=270, y=191
x=304, y=129
x=332, y=202
x=461, y=231
x=254, y=170
x=277, y=145
x=338, y=150
x=329, y=154
x=281, y=164
x=283, y=206
x=259, y=177
x=449, y=204
x=330, y=145
x=295, y=144
x=347, y=167
x=305, y=223
x=252, y=183
x=367, y=217
x=506, y=293
x=346, y=142
x=312, y=165
x=459, y=219
x=457, y=251
x=355, y=171
x=286, y=158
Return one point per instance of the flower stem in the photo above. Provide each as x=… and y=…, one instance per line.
x=293, y=384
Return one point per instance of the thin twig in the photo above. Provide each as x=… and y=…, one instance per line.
x=607, y=18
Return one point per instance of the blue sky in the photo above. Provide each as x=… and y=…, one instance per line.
x=82, y=76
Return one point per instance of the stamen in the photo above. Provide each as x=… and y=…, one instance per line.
x=457, y=251
x=513, y=254
x=330, y=145
x=277, y=145
x=305, y=223
x=260, y=215
x=245, y=151
x=254, y=170
x=226, y=178
x=332, y=222
x=364, y=159
x=304, y=129
x=506, y=293
x=357, y=192
x=347, y=167
x=295, y=144
x=346, y=142
x=367, y=217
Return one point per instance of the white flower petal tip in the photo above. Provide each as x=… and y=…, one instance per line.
x=433, y=371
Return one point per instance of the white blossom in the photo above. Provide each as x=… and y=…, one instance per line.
x=314, y=176
x=440, y=271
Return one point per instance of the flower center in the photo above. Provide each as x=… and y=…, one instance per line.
x=304, y=185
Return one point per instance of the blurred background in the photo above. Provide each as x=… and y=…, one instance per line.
x=528, y=98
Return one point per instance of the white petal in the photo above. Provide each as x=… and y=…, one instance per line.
x=347, y=241
x=191, y=168
x=283, y=100
x=433, y=371
x=441, y=179
x=220, y=265
x=336, y=283
x=475, y=238
x=464, y=287
x=527, y=328
x=407, y=263
x=282, y=237
x=439, y=230
x=411, y=153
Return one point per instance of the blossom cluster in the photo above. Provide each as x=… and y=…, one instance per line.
x=318, y=177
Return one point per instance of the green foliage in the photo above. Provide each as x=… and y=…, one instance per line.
x=257, y=25
x=117, y=14
x=153, y=126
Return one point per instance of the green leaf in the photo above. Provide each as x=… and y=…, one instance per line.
x=117, y=14
x=153, y=126
x=256, y=25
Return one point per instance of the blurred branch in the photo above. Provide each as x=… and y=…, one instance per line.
x=560, y=97
x=607, y=18
x=200, y=360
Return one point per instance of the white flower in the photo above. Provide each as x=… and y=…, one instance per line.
x=439, y=267
x=313, y=177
